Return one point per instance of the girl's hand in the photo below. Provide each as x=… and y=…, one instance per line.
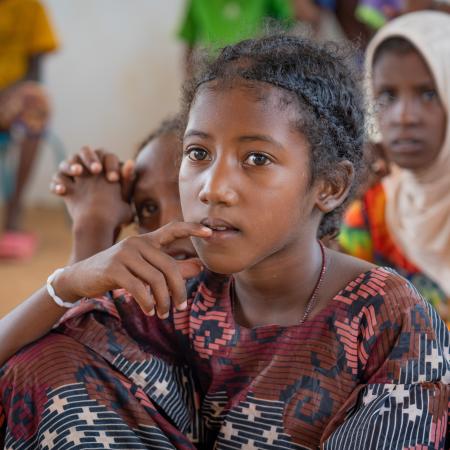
x=93, y=162
x=92, y=199
x=88, y=182
x=98, y=207
x=138, y=265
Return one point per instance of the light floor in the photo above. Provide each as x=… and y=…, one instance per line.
x=19, y=279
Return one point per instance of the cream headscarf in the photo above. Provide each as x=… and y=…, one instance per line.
x=418, y=204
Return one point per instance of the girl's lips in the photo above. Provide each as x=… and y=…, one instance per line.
x=222, y=230
x=218, y=225
x=218, y=236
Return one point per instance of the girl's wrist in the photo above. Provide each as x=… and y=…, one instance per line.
x=62, y=286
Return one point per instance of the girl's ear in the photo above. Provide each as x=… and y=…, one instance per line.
x=332, y=192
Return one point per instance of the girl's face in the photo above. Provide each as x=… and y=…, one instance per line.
x=411, y=117
x=244, y=173
x=156, y=197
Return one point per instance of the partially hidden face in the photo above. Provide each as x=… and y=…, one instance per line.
x=411, y=117
x=156, y=196
x=245, y=174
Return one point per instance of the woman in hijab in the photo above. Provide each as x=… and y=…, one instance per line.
x=404, y=220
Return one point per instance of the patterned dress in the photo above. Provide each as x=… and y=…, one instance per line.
x=370, y=371
x=364, y=234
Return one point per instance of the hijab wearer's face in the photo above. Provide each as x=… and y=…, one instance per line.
x=411, y=117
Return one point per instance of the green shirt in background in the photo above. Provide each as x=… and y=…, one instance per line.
x=215, y=23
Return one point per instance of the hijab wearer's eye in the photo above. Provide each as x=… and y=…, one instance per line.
x=385, y=97
x=429, y=94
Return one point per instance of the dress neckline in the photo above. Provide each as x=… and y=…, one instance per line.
x=227, y=299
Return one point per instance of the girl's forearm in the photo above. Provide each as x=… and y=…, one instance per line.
x=39, y=313
x=28, y=322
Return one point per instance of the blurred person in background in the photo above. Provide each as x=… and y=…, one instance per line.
x=212, y=24
x=333, y=20
x=403, y=221
x=375, y=13
x=26, y=35
x=355, y=30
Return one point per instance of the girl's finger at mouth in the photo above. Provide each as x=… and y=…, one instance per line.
x=179, y=230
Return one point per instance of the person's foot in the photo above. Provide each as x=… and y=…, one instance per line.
x=17, y=245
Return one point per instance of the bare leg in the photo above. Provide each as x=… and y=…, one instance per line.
x=24, y=110
x=24, y=106
x=29, y=148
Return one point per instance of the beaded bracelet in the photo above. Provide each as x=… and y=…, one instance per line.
x=51, y=290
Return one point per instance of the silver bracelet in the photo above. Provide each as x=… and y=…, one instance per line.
x=51, y=290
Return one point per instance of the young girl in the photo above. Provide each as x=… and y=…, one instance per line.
x=404, y=221
x=279, y=343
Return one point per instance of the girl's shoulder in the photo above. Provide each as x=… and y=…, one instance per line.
x=381, y=287
x=380, y=304
x=394, y=327
x=364, y=282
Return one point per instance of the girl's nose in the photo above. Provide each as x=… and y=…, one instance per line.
x=218, y=186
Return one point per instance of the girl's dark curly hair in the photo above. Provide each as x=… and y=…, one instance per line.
x=171, y=125
x=319, y=80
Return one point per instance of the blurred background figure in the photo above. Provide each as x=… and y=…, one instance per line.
x=403, y=219
x=211, y=24
x=26, y=35
x=332, y=20
x=375, y=13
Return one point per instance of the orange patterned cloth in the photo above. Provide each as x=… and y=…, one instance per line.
x=364, y=234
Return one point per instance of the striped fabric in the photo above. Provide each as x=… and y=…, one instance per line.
x=369, y=371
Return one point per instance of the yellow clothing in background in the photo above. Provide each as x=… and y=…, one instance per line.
x=25, y=30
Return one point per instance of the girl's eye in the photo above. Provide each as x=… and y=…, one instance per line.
x=147, y=210
x=258, y=159
x=197, y=154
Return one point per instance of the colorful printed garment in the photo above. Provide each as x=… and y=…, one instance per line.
x=364, y=234
x=369, y=371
